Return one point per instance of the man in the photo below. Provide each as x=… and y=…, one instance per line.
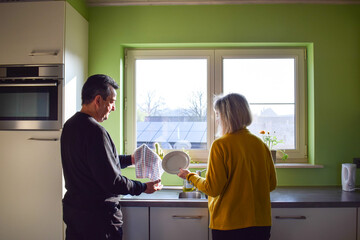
x=92, y=166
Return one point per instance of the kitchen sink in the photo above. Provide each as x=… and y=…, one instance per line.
x=190, y=195
x=168, y=193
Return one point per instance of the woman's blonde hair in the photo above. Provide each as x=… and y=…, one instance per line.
x=234, y=112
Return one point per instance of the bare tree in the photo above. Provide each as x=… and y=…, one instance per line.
x=152, y=104
x=197, y=105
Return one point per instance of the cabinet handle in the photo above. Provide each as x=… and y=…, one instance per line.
x=46, y=53
x=29, y=85
x=186, y=217
x=290, y=217
x=44, y=139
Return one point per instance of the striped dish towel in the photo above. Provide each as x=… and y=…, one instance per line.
x=147, y=163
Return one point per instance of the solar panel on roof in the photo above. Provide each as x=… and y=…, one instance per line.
x=173, y=134
x=146, y=136
x=161, y=136
x=176, y=136
x=194, y=136
x=169, y=126
x=185, y=126
x=204, y=137
x=199, y=126
x=142, y=125
x=155, y=126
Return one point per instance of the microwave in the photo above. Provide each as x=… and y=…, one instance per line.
x=31, y=97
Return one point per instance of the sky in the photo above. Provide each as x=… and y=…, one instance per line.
x=175, y=81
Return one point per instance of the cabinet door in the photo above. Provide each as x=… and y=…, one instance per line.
x=358, y=224
x=30, y=185
x=76, y=60
x=136, y=223
x=178, y=223
x=32, y=32
x=313, y=223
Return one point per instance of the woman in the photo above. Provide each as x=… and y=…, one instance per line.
x=240, y=175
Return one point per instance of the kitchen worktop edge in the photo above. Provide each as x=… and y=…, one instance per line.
x=281, y=197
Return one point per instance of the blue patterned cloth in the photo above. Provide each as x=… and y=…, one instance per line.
x=147, y=163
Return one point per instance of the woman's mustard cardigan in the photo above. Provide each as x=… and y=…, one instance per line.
x=238, y=182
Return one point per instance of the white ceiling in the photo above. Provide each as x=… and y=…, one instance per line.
x=197, y=2
x=212, y=2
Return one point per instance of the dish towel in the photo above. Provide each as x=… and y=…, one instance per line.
x=147, y=163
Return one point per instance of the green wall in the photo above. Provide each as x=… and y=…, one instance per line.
x=81, y=7
x=331, y=33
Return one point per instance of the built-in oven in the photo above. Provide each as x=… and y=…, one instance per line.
x=31, y=97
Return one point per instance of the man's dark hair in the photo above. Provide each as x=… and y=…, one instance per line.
x=98, y=84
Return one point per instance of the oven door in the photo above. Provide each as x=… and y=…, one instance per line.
x=30, y=104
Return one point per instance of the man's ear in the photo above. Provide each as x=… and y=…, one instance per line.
x=97, y=100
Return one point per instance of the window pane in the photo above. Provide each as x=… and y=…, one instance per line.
x=275, y=119
x=261, y=80
x=269, y=86
x=171, y=103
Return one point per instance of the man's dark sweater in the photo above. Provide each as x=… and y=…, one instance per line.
x=92, y=168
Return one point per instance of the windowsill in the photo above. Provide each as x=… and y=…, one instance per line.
x=198, y=165
x=277, y=165
x=297, y=165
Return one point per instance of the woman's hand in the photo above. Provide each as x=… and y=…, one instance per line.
x=183, y=173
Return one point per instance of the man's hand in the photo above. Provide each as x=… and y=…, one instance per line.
x=153, y=186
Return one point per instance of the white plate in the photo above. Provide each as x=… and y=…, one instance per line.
x=175, y=160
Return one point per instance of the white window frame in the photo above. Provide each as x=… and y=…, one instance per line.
x=130, y=95
x=299, y=54
x=214, y=87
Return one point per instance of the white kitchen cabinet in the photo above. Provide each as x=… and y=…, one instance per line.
x=76, y=60
x=136, y=223
x=30, y=185
x=314, y=223
x=50, y=32
x=32, y=32
x=358, y=224
x=30, y=170
x=178, y=223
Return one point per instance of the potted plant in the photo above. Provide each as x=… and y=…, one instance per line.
x=271, y=141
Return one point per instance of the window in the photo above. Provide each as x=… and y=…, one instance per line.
x=169, y=94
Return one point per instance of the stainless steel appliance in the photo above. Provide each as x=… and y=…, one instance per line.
x=31, y=97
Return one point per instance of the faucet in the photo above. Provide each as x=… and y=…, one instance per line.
x=198, y=172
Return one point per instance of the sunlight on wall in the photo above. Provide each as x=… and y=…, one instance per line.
x=70, y=98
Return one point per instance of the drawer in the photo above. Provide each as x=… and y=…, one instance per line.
x=173, y=223
x=313, y=223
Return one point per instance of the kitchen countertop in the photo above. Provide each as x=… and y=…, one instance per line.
x=281, y=197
